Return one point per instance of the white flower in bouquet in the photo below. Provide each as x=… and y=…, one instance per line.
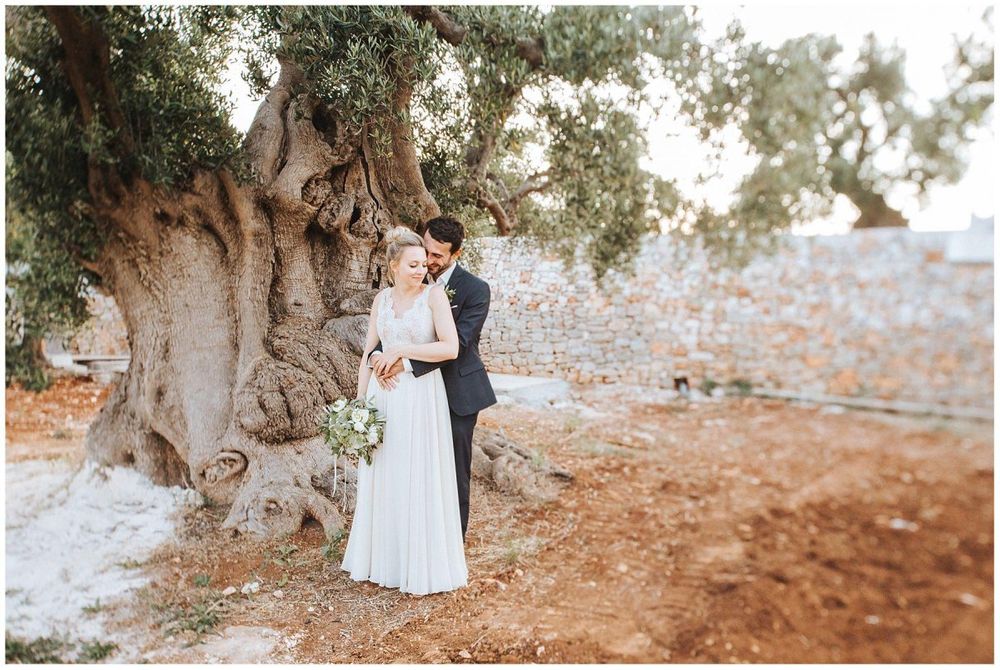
x=352, y=428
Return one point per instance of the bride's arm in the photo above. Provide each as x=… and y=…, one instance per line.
x=445, y=349
x=371, y=340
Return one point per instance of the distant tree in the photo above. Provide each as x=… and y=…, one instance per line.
x=820, y=130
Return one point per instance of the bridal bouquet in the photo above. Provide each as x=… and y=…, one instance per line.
x=352, y=428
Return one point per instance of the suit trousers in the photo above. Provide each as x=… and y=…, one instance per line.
x=461, y=433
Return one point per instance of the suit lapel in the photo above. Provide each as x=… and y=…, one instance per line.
x=454, y=284
x=456, y=276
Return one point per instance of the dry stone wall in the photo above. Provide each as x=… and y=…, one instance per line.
x=876, y=313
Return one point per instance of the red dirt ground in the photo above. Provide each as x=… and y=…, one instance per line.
x=738, y=530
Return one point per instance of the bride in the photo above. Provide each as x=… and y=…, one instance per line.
x=407, y=529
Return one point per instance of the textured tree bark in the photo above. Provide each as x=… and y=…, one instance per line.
x=246, y=308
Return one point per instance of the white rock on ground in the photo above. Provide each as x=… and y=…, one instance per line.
x=67, y=533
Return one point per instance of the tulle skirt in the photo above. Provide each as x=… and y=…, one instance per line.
x=407, y=529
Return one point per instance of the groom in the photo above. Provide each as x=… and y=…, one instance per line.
x=465, y=380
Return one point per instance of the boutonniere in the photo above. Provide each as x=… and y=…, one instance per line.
x=450, y=292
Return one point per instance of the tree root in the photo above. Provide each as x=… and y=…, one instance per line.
x=515, y=469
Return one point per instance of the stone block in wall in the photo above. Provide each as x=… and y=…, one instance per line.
x=542, y=348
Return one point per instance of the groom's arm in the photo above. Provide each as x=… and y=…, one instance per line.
x=469, y=325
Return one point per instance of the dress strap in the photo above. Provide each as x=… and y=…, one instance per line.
x=425, y=293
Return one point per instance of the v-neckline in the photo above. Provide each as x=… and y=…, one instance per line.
x=392, y=305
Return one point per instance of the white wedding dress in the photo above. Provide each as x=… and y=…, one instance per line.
x=407, y=529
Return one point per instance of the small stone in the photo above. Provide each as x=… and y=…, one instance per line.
x=279, y=594
x=622, y=567
x=465, y=654
x=310, y=609
x=176, y=559
x=540, y=650
x=250, y=587
x=902, y=524
x=229, y=590
x=971, y=600
x=519, y=572
x=872, y=620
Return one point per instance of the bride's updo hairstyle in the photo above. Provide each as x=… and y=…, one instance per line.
x=398, y=239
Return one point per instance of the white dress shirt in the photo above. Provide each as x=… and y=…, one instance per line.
x=445, y=276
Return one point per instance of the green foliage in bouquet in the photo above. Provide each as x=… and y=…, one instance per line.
x=352, y=428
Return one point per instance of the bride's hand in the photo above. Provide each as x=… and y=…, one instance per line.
x=386, y=361
x=385, y=383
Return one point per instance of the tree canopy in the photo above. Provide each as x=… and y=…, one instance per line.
x=820, y=129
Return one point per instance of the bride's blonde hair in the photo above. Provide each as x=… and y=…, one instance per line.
x=398, y=239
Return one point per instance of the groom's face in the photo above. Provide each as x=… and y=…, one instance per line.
x=439, y=256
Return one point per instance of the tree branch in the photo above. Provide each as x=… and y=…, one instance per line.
x=530, y=49
x=532, y=184
x=862, y=151
x=87, y=64
x=496, y=210
x=480, y=153
x=446, y=27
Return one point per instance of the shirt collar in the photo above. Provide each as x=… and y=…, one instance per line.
x=446, y=277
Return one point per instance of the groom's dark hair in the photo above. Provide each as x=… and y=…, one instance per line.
x=446, y=229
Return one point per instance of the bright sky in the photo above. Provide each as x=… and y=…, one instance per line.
x=924, y=30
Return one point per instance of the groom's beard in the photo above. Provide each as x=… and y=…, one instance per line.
x=440, y=272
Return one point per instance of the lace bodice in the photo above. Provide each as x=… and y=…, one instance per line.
x=415, y=326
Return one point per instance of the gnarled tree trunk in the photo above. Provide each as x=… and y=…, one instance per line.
x=245, y=309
